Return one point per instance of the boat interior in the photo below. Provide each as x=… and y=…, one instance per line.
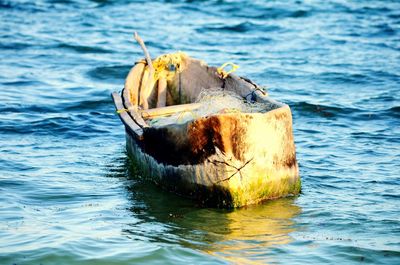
x=174, y=83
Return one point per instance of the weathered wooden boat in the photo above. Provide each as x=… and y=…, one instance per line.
x=223, y=158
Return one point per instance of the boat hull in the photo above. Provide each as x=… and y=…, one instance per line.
x=223, y=160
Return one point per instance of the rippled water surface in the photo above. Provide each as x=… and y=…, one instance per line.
x=66, y=192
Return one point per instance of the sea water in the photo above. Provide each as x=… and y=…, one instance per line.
x=69, y=196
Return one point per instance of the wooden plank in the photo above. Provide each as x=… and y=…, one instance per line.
x=162, y=92
x=150, y=113
x=129, y=123
x=132, y=110
x=133, y=82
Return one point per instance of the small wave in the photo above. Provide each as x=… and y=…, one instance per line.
x=73, y=126
x=391, y=196
x=7, y=183
x=5, y=5
x=364, y=254
x=91, y=104
x=392, y=112
x=23, y=6
x=193, y=8
x=23, y=83
x=345, y=78
x=62, y=1
x=383, y=30
x=81, y=106
x=20, y=108
x=82, y=48
x=162, y=45
x=54, y=124
x=278, y=13
x=327, y=111
x=114, y=72
x=395, y=109
x=395, y=16
x=16, y=166
x=378, y=135
x=321, y=110
x=262, y=11
x=13, y=45
x=388, y=182
x=241, y=28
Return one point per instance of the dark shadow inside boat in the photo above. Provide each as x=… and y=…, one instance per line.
x=159, y=216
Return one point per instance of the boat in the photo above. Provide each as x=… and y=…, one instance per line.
x=209, y=149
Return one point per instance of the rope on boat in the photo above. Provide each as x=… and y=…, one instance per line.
x=168, y=66
x=167, y=63
x=224, y=74
x=119, y=111
x=253, y=94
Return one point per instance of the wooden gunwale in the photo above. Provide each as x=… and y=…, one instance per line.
x=130, y=125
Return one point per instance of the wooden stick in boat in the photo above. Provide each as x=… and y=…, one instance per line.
x=145, y=92
x=151, y=113
x=162, y=92
x=146, y=53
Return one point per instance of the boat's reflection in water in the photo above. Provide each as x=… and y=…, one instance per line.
x=241, y=236
x=252, y=231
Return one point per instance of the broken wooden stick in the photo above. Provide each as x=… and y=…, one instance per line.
x=147, y=86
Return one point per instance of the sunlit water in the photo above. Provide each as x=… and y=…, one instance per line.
x=68, y=196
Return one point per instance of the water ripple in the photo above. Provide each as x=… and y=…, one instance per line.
x=71, y=196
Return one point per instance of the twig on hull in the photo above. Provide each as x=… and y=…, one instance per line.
x=238, y=169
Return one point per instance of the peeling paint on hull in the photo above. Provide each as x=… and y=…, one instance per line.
x=252, y=158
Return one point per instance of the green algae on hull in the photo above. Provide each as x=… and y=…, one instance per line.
x=214, y=184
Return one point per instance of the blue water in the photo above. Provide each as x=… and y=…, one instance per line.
x=68, y=195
